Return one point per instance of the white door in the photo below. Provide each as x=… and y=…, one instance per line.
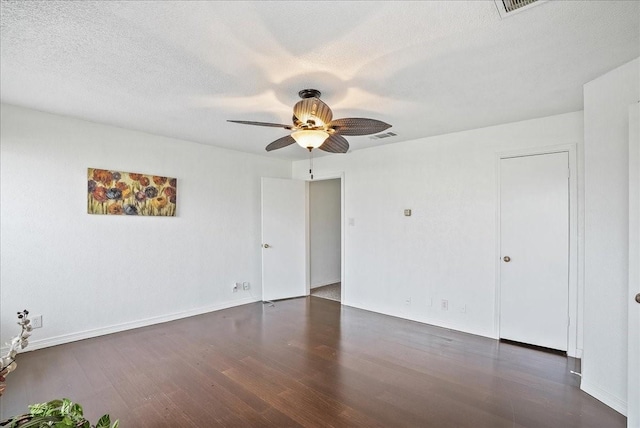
x=534, y=245
x=283, y=239
x=633, y=386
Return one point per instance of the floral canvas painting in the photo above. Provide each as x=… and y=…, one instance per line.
x=130, y=193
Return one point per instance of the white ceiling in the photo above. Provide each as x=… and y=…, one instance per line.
x=181, y=69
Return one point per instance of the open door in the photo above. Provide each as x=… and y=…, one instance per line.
x=284, y=239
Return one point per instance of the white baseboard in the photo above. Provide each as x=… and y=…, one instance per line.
x=606, y=397
x=88, y=334
x=434, y=323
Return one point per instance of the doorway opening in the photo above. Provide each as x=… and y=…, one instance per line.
x=325, y=238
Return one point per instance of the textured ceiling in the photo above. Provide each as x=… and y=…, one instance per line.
x=180, y=69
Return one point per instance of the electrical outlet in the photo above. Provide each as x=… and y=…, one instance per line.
x=444, y=305
x=236, y=286
x=36, y=321
x=407, y=301
x=246, y=285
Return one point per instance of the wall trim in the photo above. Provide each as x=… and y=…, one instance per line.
x=604, y=396
x=432, y=323
x=116, y=328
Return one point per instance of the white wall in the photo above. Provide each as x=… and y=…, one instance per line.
x=606, y=151
x=447, y=248
x=91, y=274
x=324, y=231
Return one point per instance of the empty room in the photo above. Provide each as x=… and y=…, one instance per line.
x=363, y=214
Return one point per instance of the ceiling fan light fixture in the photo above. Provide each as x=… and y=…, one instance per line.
x=310, y=139
x=314, y=128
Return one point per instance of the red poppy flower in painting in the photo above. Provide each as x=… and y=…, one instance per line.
x=100, y=194
x=144, y=181
x=115, y=209
x=140, y=196
x=121, y=185
x=103, y=176
x=159, y=180
x=134, y=176
x=169, y=191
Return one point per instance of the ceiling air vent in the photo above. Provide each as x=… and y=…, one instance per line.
x=385, y=135
x=508, y=7
x=511, y=5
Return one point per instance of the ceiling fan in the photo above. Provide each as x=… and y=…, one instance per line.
x=314, y=128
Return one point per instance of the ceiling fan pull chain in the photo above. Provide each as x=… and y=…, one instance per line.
x=311, y=163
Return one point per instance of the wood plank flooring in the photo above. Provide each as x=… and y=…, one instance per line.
x=306, y=362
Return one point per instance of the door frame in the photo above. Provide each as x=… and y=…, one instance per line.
x=323, y=177
x=576, y=288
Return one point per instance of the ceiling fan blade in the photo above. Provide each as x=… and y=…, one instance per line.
x=285, y=141
x=358, y=126
x=273, y=125
x=335, y=144
x=314, y=109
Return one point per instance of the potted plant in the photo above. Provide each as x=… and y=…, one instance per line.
x=58, y=414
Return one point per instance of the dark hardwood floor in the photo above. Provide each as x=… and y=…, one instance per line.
x=307, y=362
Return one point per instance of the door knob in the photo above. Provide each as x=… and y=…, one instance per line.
x=638, y=297
x=266, y=246
x=506, y=259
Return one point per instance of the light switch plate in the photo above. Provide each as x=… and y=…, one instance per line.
x=407, y=213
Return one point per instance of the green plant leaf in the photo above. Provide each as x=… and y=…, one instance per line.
x=39, y=409
x=104, y=422
x=66, y=406
x=76, y=411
